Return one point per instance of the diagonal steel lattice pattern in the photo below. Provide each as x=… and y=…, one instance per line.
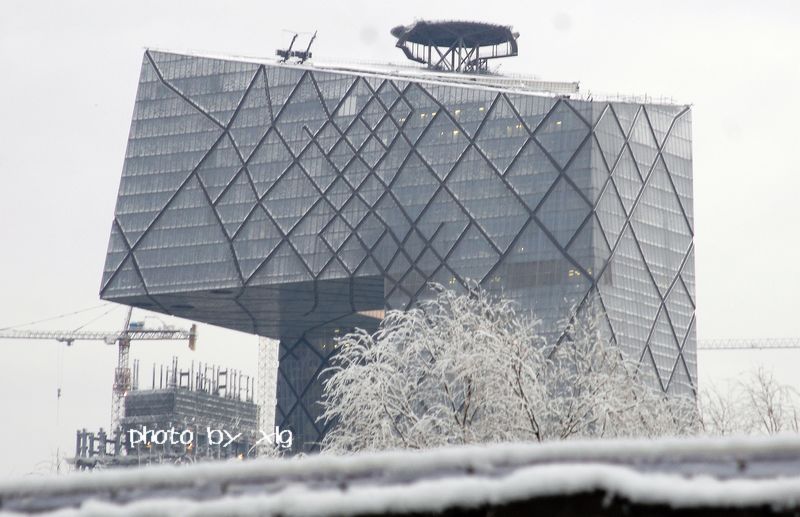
x=291, y=201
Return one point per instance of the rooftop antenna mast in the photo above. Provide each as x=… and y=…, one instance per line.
x=307, y=54
x=286, y=54
x=300, y=55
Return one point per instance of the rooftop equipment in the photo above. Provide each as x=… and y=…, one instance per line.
x=455, y=46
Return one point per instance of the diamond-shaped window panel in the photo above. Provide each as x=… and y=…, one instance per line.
x=117, y=252
x=357, y=133
x=443, y=223
x=562, y=133
x=388, y=93
x=478, y=187
x=352, y=104
x=333, y=87
x=643, y=144
x=563, y=211
x=370, y=230
x=591, y=254
x=611, y=214
x=399, y=266
x=414, y=245
x=664, y=347
x=373, y=113
x=341, y=154
x=219, y=93
x=291, y=198
x=328, y=136
x=302, y=114
x=609, y=136
x=371, y=189
x=626, y=113
x=387, y=131
x=235, y=204
x=355, y=173
x=339, y=193
x=661, y=228
x=254, y=242
x=661, y=118
x=626, y=178
x=219, y=167
x=414, y=186
x=307, y=240
x=318, y=167
x=354, y=211
x=283, y=264
x=172, y=242
x=139, y=203
x=126, y=281
x=396, y=155
x=429, y=263
x=473, y=256
x=336, y=232
x=680, y=309
x=532, y=174
x=372, y=151
x=502, y=134
x=268, y=162
x=389, y=210
x=253, y=118
x=425, y=110
x=636, y=280
x=442, y=144
x=400, y=111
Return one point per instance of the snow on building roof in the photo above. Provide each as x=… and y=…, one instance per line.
x=511, y=83
x=685, y=473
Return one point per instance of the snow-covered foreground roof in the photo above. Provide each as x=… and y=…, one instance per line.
x=721, y=472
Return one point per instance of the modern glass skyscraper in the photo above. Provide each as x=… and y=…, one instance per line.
x=297, y=202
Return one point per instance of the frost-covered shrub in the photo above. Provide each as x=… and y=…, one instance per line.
x=470, y=368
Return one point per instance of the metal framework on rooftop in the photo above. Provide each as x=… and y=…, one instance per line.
x=456, y=46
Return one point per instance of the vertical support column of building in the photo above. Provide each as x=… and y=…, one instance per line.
x=302, y=366
x=267, y=384
x=122, y=383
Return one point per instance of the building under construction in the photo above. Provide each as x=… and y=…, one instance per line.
x=184, y=415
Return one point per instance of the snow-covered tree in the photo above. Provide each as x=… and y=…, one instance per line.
x=470, y=368
x=757, y=403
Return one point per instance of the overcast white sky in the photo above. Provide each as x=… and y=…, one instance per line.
x=68, y=75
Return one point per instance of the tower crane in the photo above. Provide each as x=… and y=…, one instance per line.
x=132, y=331
x=745, y=344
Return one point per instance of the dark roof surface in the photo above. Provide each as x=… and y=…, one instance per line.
x=446, y=33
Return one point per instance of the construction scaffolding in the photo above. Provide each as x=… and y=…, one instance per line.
x=203, y=412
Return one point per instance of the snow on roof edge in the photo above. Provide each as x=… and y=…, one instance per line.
x=473, y=491
x=470, y=457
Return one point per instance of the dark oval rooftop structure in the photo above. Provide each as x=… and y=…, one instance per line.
x=450, y=33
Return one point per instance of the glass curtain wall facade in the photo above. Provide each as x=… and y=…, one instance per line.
x=296, y=203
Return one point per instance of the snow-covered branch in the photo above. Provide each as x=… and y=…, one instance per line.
x=470, y=368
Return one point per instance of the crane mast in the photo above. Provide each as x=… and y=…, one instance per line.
x=122, y=373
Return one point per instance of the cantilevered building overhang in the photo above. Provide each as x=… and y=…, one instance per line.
x=296, y=202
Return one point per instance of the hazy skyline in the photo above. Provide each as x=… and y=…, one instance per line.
x=69, y=77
